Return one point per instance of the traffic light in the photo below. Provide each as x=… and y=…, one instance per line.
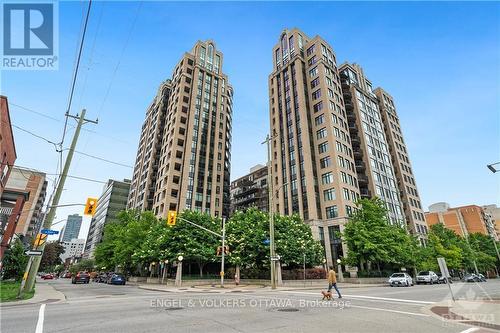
x=40, y=239
x=219, y=250
x=172, y=216
x=90, y=206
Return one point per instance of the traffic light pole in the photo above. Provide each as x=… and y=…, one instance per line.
x=271, y=215
x=32, y=267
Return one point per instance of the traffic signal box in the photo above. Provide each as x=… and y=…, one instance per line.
x=171, y=218
x=90, y=206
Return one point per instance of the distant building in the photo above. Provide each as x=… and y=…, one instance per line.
x=111, y=202
x=250, y=190
x=72, y=249
x=35, y=184
x=72, y=228
x=462, y=220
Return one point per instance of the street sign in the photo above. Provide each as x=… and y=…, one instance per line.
x=49, y=232
x=33, y=253
x=275, y=258
x=266, y=241
x=444, y=273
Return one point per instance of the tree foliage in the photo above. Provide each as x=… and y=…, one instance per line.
x=14, y=261
x=51, y=256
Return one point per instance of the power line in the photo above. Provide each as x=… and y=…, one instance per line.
x=36, y=135
x=103, y=159
x=75, y=73
x=35, y=112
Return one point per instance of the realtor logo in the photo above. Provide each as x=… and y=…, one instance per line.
x=29, y=36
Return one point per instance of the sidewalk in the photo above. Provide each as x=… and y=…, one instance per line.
x=241, y=288
x=44, y=293
x=481, y=313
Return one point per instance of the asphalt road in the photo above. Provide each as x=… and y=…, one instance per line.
x=104, y=308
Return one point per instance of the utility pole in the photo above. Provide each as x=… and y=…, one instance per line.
x=33, y=264
x=271, y=215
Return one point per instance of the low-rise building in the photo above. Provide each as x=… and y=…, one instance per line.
x=72, y=249
x=463, y=220
x=250, y=190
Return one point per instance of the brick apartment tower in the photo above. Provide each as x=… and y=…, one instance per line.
x=190, y=148
x=313, y=170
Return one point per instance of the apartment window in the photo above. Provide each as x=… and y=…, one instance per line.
x=316, y=94
x=321, y=133
x=331, y=212
x=313, y=72
x=315, y=82
x=323, y=147
x=346, y=194
x=310, y=50
x=327, y=178
x=319, y=120
x=329, y=194
x=318, y=106
x=325, y=162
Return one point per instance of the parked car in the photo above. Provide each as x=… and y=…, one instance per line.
x=116, y=279
x=67, y=275
x=471, y=277
x=481, y=277
x=83, y=277
x=101, y=278
x=400, y=279
x=442, y=279
x=427, y=277
x=47, y=276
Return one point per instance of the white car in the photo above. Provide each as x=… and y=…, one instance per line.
x=427, y=277
x=400, y=279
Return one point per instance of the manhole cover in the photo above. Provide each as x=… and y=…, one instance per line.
x=288, y=310
x=173, y=308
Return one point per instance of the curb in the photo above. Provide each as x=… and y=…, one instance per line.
x=51, y=295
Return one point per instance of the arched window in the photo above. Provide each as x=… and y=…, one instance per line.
x=284, y=45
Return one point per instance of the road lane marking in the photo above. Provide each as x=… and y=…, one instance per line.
x=371, y=297
x=389, y=310
x=41, y=315
x=470, y=330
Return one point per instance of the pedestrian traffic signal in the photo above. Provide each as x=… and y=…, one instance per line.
x=172, y=216
x=90, y=206
x=219, y=250
x=40, y=239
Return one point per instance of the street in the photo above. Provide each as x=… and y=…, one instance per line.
x=105, y=308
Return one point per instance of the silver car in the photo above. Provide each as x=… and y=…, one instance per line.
x=427, y=277
x=400, y=279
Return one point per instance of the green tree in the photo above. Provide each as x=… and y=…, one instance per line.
x=51, y=256
x=14, y=261
x=484, y=249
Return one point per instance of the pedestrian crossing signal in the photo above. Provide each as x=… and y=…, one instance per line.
x=219, y=250
x=90, y=206
x=172, y=216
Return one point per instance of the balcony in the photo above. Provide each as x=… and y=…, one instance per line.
x=362, y=180
x=348, y=105
x=360, y=167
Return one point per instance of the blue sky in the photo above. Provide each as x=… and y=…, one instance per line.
x=440, y=61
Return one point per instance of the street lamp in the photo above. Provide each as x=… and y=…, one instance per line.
x=178, y=275
x=339, y=266
x=492, y=168
x=164, y=271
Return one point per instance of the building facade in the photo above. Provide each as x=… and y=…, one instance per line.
x=72, y=228
x=250, y=190
x=143, y=185
x=409, y=195
x=33, y=182
x=193, y=159
x=110, y=203
x=72, y=249
x=463, y=220
x=7, y=147
x=494, y=214
x=310, y=136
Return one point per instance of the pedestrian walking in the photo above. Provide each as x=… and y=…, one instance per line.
x=332, y=281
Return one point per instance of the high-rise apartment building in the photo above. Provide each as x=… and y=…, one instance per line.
x=376, y=176
x=250, y=190
x=313, y=168
x=72, y=228
x=192, y=143
x=35, y=184
x=112, y=201
x=144, y=178
x=403, y=170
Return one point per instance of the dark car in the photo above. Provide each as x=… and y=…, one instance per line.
x=471, y=277
x=83, y=277
x=101, y=278
x=116, y=279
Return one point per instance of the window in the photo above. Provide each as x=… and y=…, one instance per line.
x=316, y=94
x=325, y=162
x=313, y=72
x=319, y=120
x=327, y=178
x=318, y=106
x=323, y=147
x=321, y=133
x=315, y=82
x=331, y=212
x=329, y=194
x=346, y=194
x=310, y=50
